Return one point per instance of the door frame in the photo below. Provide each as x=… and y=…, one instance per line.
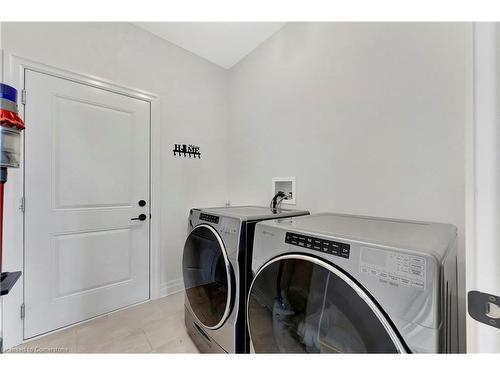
x=14, y=69
x=483, y=179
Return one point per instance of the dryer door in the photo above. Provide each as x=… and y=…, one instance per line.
x=300, y=304
x=207, y=276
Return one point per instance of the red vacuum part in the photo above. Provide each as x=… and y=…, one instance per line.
x=11, y=120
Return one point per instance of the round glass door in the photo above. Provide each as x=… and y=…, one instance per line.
x=207, y=276
x=300, y=304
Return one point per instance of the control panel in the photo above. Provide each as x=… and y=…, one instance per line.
x=394, y=268
x=210, y=218
x=325, y=246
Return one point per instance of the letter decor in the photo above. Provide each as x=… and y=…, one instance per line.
x=187, y=150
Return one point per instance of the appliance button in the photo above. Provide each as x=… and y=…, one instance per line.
x=417, y=260
x=405, y=281
x=418, y=284
x=416, y=272
x=394, y=278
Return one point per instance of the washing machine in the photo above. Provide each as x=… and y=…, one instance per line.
x=216, y=270
x=331, y=283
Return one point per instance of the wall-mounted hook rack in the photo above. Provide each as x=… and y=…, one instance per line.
x=187, y=150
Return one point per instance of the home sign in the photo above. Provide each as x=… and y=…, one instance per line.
x=187, y=150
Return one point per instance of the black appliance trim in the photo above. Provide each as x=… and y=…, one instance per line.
x=210, y=218
x=318, y=244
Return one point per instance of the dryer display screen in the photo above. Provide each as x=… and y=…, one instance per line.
x=325, y=246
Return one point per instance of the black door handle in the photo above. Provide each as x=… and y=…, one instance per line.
x=141, y=217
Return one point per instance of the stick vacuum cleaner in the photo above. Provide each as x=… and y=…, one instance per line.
x=11, y=126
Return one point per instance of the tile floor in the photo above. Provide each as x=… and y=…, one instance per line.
x=152, y=327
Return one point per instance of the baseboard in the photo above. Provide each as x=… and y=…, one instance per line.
x=171, y=287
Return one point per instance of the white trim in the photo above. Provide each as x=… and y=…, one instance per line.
x=14, y=71
x=155, y=204
x=469, y=183
x=482, y=182
x=171, y=287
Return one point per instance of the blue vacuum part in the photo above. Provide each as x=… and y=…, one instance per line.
x=8, y=92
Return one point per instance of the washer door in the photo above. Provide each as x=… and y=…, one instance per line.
x=207, y=276
x=301, y=304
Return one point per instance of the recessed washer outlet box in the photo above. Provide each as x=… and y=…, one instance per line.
x=287, y=186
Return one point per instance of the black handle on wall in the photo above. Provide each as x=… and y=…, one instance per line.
x=484, y=307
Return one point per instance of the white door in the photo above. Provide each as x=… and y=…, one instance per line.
x=86, y=169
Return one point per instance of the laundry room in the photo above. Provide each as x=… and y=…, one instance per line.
x=246, y=186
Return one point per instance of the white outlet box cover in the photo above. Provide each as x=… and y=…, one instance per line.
x=287, y=185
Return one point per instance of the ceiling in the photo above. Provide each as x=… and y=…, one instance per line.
x=223, y=43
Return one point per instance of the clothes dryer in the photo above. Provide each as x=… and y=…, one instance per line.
x=216, y=269
x=330, y=283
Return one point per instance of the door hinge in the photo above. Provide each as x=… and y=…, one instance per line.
x=21, y=204
x=23, y=311
x=23, y=96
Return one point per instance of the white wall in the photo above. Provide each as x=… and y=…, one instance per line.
x=194, y=108
x=370, y=118
x=1, y=54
